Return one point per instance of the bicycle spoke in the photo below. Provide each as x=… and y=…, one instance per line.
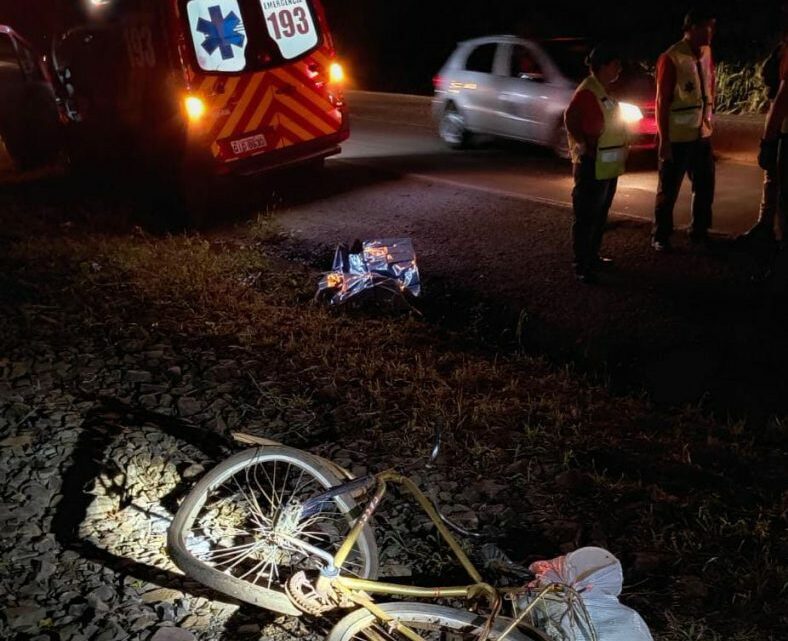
x=270, y=576
x=228, y=531
x=249, y=528
x=274, y=503
x=262, y=564
x=246, y=555
x=284, y=485
x=260, y=512
x=259, y=485
x=249, y=503
x=375, y=634
x=298, y=488
x=222, y=552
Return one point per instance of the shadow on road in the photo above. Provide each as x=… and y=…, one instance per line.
x=117, y=202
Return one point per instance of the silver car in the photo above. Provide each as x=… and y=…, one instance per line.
x=510, y=87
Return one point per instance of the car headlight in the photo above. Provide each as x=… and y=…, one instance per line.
x=630, y=113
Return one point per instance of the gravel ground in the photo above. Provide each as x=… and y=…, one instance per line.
x=84, y=499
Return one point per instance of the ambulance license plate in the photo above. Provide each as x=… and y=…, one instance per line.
x=249, y=145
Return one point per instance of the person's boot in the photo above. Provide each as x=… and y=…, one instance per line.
x=761, y=231
x=661, y=246
x=586, y=276
x=700, y=239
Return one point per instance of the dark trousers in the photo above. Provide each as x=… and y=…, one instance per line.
x=780, y=177
x=770, y=208
x=696, y=159
x=591, y=200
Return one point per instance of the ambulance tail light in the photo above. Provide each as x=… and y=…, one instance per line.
x=335, y=79
x=336, y=74
x=195, y=108
x=437, y=81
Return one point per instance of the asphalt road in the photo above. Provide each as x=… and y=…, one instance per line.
x=395, y=133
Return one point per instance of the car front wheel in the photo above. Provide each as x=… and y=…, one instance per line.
x=452, y=128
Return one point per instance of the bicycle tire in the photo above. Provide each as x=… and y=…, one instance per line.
x=268, y=597
x=362, y=625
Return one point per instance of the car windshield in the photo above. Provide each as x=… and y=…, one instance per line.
x=569, y=56
x=241, y=35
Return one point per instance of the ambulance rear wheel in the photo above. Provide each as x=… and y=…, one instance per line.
x=194, y=203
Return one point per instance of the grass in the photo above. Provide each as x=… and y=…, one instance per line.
x=740, y=89
x=689, y=503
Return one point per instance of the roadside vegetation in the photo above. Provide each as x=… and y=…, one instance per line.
x=740, y=89
x=540, y=457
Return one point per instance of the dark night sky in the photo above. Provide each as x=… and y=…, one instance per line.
x=400, y=44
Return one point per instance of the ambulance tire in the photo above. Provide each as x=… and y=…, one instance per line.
x=195, y=202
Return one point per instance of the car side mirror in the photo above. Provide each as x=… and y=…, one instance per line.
x=533, y=77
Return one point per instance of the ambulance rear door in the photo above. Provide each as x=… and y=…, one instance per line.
x=262, y=69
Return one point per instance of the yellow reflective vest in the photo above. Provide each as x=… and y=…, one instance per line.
x=693, y=98
x=613, y=146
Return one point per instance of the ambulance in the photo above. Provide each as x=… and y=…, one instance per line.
x=202, y=86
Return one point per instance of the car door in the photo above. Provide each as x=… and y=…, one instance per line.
x=475, y=87
x=42, y=115
x=12, y=98
x=29, y=119
x=522, y=92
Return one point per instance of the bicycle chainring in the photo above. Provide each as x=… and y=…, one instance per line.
x=306, y=598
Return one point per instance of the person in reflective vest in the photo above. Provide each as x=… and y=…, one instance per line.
x=685, y=104
x=598, y=142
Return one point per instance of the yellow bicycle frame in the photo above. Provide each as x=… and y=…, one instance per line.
x=355, y=589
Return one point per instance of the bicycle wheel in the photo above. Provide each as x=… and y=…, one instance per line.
x=432, y=622
x=238, y=530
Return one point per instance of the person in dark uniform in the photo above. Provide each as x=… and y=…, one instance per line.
x=770, y=211
x=773, y=156
x=598, y=142
x=685, y=104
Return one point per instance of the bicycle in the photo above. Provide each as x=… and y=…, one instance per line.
x=281, y=529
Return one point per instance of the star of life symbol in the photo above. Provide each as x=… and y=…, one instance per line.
x=221, y=32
